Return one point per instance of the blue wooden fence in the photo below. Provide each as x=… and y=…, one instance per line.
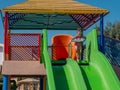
x=112, y=50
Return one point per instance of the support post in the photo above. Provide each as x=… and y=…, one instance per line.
x=41, y=83
x=101, y=33
x=39, y=38
x=5, y=82
x=6, y=36
x=6, y=56
x=44, y=82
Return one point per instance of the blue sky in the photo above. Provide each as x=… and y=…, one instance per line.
x=111, y=5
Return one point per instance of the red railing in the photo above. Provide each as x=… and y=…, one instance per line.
x=24, y=46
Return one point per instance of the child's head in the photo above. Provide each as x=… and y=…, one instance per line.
x=79, y=31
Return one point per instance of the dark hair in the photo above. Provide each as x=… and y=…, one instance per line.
x=79, y=29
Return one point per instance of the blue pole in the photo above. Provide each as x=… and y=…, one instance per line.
x=102, y=33
x=5, y=82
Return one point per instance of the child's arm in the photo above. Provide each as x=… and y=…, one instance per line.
x=73, y=39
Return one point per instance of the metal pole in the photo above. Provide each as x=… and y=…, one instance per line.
x=101, y=33
x=41, y=83
x=5, y=82
x=6, y=35
x=6, y=79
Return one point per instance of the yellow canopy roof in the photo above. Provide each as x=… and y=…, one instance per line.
x=54, y=6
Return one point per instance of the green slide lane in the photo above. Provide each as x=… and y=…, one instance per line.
x=69, y=76
x=97, y=74
x=61, y=77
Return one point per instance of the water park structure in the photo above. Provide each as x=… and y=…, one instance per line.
x=26, y=54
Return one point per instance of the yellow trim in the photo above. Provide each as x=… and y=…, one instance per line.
x=54, y=6
x=56, y=11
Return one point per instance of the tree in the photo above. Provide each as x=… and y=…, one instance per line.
x=98, y=29
x=111, y=30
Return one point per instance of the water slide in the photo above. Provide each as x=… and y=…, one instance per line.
x=94, y=73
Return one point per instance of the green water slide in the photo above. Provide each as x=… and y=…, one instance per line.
x=98, y=74
x=94, y=73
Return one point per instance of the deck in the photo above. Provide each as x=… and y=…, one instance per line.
x=23, y=68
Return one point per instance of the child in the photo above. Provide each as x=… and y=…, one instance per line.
x=78, y=42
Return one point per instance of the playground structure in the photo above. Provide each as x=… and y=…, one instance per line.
x=26, y=54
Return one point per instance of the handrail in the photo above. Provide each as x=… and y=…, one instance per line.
x=47, y=62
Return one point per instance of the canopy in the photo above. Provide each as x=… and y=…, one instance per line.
x=55, y=6
x=53, y=14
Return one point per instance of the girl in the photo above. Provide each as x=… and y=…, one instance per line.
x=78, y=39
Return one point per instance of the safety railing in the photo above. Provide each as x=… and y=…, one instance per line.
x=24, y=46
x=52, y=52
x=112, y=50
